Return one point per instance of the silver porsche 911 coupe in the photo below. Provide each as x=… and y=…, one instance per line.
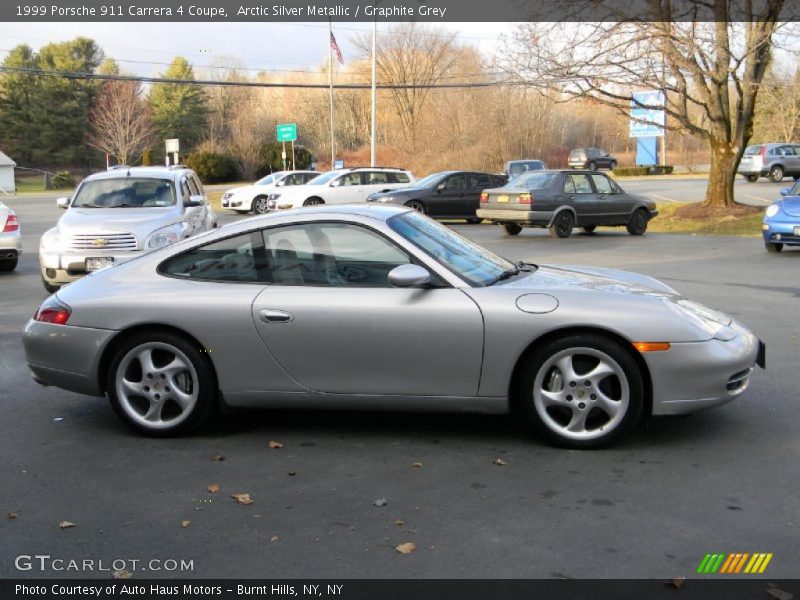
x=380, y=307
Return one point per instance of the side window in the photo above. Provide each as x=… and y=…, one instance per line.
x=377, y=177
x=306, y=177
x=478, y=180
x=455, y=182
x=581, y=183
x=351, y=179
x=330, y=254
x=602, y=184
x=399, y=177
x=198, y=184
x=185, y=191
x=192, y=186
x=787, y=151
x=293, y=179
x=239, y=258
x=569, y=186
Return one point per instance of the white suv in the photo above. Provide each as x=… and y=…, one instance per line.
x=121, y=214
x=254, y=197
x=342, y=186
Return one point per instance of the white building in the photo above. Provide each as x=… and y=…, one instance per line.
x=7, y=173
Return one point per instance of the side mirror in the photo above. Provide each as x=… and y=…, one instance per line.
x=280, y=183
x=785, y=191
x=406, y=276
x=63, y=202
x=441, y=186
x=194, y=201
x=336, y=183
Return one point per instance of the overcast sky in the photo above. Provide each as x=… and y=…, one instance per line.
x=139, y=47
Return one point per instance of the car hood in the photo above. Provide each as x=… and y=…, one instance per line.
x=562, y=277
x=405, y=191
x=791, y=206
x=139, y=221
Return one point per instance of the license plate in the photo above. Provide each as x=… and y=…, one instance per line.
x=95, y=264
x=797, y=230
x=502, y=198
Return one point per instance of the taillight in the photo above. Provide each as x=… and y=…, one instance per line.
x=53, y=311
x=763, y=152
x=525, y=198
x=12, y=224
x=484, y=197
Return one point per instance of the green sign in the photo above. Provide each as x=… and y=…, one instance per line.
x=286, y=132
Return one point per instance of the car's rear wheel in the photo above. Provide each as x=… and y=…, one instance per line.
x=562, y=224
x=313, y=202
x=160, y=384
x=474, y=221
x=260, y=205
x=592, y=166
x=751, y=178
x=612, y=165
x=512, y=228
x=589, y=228
x=776, y=173
x=581, y=391
x=638, y=223
x=8, y=264
x=773, y=248
x=417, y=206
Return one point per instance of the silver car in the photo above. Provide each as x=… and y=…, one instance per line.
x=10, y=239
x=774, y=161
x=120, y=214
x=380, y=307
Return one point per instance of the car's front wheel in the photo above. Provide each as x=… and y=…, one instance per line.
x=581, y=391
x=773, y=248
x=161, y=384
x=261, y=205
x=417, y=206
x=638, y=223
x=313, y=202
x=612, y=165
x=562, y=224
x=512, y=228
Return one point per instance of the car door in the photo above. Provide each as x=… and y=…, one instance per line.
x=193, y=215
x=346, y=189
x=580, y=194
x=791, y=160
x=613, y=206
x=476, y=183
x=331, y=319
x=448, y=198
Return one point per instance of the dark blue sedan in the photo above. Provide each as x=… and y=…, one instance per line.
x=782, y=220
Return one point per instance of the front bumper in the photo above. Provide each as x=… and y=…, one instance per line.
x=64, y=356
x=62, y=268
x=523, y=217
x=698, y=375
x=781, y=232
x=236, y=202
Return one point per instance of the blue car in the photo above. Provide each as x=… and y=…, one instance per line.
x=782, y=220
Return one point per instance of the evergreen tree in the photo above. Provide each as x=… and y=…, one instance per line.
x=179, y=111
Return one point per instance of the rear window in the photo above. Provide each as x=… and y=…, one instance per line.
x=577, y=154
x=533, y=181
x=399, y=177
x=516, y=168
x=751, y=150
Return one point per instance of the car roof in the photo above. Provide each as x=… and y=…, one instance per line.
x=379, y=212
x=154, y=172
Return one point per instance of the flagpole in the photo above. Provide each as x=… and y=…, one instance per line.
x=373, y=149
x=330, y=76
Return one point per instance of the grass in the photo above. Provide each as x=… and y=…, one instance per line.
x=685, y=217
x=215, y=200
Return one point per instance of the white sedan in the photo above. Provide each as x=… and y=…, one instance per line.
x=255, y=197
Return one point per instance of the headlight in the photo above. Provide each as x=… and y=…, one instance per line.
x=772, y=210
x=166, y=236
x=51, y=240
x=386, y=199
x=714, y=323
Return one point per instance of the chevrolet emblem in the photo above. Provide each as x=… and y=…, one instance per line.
x=100, y=242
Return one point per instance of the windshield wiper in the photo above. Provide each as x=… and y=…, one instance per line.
x=504, y=275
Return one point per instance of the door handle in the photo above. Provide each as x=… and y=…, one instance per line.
x=270, y=315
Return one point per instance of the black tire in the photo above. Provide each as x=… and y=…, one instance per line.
x=548, y=426
x=751, y=178
x=773, y=248
x=592, y=166
x=207, y=397
x=474, y=221
x=52, y=289
x=313, y=202
x=417, y=206
x=562, y=225
x=776, y=174
x=612, y=165
x=512, y=228
x=638, y=223
x=589, y=228
x=260, y=205
x=8, y=264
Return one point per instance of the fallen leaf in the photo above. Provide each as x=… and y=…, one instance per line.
x=12, y=516
x=122, y=574
x=66, y=524
x=406, y=548
x=417, y=465
x=399, y=523
x=379, y=502
x=185, y=524
x=677, y=582
x=213, y=488
x=499, y=462
x=275, y=445
x=218, y=458
x=292, y=473
x=274, y=538
x=242, y=498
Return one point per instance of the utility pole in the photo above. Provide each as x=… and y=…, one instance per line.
x=373, y=149
x=330, y=79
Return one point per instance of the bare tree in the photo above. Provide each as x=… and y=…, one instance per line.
x=119, y=121
x=710, y=55
x=778, y=117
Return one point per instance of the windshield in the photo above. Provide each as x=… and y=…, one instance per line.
x=125, y=192
x=521, y=167
x=535, y=181
x=324, y=178
x=269, y=178
x=475, y=265
x=751, y=150
x=430, y=181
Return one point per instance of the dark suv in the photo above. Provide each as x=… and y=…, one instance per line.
x=591, y=158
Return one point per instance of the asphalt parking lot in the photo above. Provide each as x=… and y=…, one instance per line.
x=652, y=506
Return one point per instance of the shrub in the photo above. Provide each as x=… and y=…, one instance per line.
x=629, y=171
x=272, y=161
x=62, y=180
x=212, y=167
x=147, y=157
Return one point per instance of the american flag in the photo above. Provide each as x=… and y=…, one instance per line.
x=336, y=51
